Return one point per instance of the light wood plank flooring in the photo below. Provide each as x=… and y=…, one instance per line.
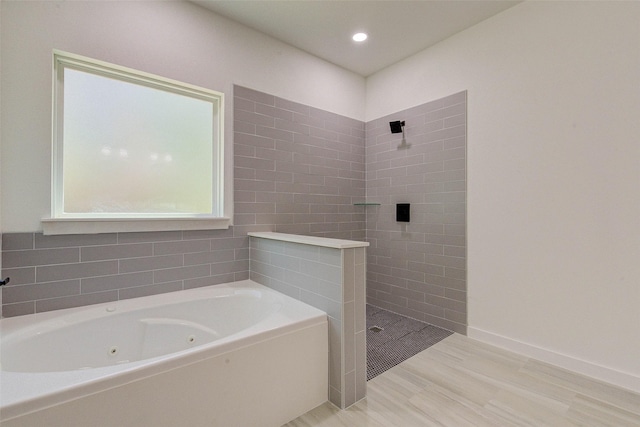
x=462, y=382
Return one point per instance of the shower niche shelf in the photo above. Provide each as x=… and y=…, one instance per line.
x=366, y=204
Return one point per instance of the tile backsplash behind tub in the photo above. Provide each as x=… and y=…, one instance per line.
x=54, y=272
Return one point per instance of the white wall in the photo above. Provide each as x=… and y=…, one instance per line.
x=176, y=40
x=553, y=176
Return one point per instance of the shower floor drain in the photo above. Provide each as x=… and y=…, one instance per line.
x=376, y=329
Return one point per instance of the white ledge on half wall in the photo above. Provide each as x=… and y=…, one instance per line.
x=310, y=240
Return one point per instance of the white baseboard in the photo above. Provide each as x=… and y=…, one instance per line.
x=599, y=372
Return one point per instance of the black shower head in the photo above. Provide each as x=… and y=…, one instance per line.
x=396, y=127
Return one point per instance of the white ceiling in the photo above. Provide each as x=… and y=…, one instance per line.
x=397, y=29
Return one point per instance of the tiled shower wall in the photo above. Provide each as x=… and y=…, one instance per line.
x=298, y=170
x=419, y=268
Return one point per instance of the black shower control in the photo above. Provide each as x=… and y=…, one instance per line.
x=403, y=212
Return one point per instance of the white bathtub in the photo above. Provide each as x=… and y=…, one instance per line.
x=237, y=354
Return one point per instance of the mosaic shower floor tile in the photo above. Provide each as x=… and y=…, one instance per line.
x=393, y=338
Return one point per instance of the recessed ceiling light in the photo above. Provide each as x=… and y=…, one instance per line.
x=359, y=37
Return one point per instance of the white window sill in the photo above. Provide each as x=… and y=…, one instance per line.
x=53, y=226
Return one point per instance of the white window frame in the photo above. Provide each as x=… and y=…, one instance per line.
x=66, y=223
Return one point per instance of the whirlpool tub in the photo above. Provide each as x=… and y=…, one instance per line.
x=237, y=354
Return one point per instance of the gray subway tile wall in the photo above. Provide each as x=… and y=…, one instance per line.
x=354, y=263
x=297, y=169
x=332, y=280
x=56, y=272
x=418, y=269
x=278, y=265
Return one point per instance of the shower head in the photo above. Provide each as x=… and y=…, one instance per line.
x=396, y=127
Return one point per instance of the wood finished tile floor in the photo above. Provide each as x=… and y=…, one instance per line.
x=462, y=382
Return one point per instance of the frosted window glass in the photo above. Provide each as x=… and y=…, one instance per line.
x=135, y=149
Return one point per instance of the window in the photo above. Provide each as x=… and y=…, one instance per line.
x=130, y=146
